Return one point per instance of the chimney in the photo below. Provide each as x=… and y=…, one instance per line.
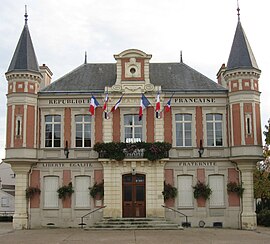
x=47, y=76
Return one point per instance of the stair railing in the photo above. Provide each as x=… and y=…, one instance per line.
x=82, y=224
x=186, y=224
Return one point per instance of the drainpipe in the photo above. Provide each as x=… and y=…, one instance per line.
x=241, y=205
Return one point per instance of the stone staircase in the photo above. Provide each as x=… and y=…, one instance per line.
x=134, y=224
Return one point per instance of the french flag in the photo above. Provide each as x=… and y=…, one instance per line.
x=157, y=105
x=117, y=104
x=144, y=104
x=93, y=104
x=168, y=106
x=105, y=102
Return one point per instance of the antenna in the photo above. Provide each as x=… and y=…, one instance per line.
x=26, y=15
x=181, y=57
x=238, y=11
x=85, y=57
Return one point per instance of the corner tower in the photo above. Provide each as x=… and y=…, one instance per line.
x=241, y=77
x=24, y=79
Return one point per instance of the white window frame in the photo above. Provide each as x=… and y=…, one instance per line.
x=53, y=123
x=216, y=184
x=83, y=123
x=133, y=139
x=214, y=123
x=185, y=191
x=183, y=124
x=82, y=196
x=52, y=193
x=19, y=126
x=248, y=118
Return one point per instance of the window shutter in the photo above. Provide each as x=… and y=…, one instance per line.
x=216, y=183
x=185, y=192
x=82, y=195
x=50, y=192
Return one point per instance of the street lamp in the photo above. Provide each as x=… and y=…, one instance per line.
x=201, y=149
x=66, y=151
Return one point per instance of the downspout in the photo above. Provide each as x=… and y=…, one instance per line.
x=241, y=205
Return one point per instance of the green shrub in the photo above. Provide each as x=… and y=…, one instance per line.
x=263, y=218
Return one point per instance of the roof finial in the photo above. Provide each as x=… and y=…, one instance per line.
x=85, y=57
x=181, y=57
x=26, y=15
x=238, y=11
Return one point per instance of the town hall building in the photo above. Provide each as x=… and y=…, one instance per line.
x=153, y=129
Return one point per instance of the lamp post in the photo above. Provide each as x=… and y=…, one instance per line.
x=201, y=149
x=66, y=151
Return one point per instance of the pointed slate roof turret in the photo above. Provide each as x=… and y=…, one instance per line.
x=241, y=55
x=24, y=57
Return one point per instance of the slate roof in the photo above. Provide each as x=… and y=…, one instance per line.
x=241, y=55
x=170, y=76
x=24, y=57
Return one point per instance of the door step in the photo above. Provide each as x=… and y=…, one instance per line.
x=134, y=224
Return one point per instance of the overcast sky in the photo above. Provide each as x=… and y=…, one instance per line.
x=63, y=30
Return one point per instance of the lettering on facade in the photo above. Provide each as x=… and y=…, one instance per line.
x=61, y=165
x=194, y=100
x=204, y=164
x=68, y=101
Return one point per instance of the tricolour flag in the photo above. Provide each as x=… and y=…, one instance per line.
x=168, y=106
x=117, y=104
x=105, y=102
x=157, y=105
x=93, y=104
x=144, y=104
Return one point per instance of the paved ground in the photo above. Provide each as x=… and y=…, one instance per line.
x=190, y=235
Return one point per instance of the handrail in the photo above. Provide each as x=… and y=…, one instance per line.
x=177, y=211
x=92, y=211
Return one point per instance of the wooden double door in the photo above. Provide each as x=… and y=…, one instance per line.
x=133, y=188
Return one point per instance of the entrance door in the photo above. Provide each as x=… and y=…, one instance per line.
x=133, y=195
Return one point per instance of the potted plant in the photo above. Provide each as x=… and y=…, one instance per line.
x=65, y=191
x=236, y=188
x=31, y=191
x=169, y=192
x=97, y=189
x=201, y=190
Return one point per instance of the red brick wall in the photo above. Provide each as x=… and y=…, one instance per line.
x=116, y=125
x=35, y=182
x=233, y=198
x=66, y=179
x=258, y=124
x=199, y=126
x=201, y=202
x=150, y=126
x=244, y=87
x=31, y=125
x=98, y=176
x=67, y=127
x=236, y=130
x=168, y=127
x=8, y=133
x=168, y=176
x=98, y=125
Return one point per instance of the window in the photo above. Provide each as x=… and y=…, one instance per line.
x=4, y=202
x=52, y=130
x=82, y=184
x=83, y=130
x=183, y=130
x=133, y=128
x=214, y=129
x=185, y=191
x=18, y=126
x=216, y=183
x=248, y=124
x=50, y=191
